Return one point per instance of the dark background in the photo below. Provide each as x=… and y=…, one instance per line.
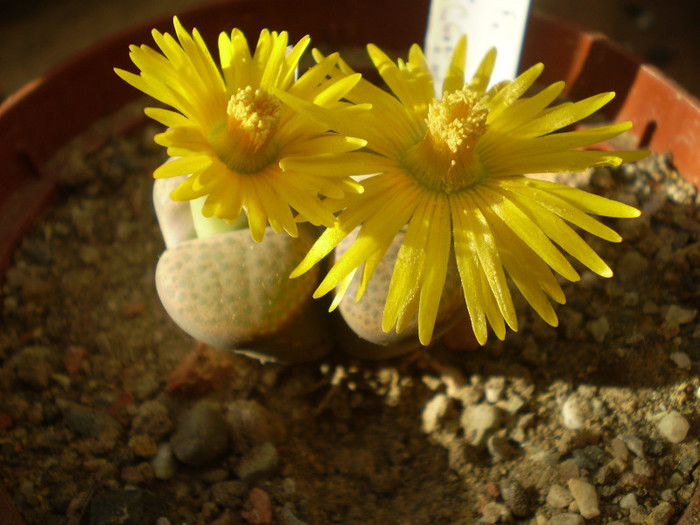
x=38, y=34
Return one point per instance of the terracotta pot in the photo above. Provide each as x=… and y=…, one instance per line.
x=49, y=111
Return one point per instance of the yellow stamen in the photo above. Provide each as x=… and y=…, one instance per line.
x=457, y=121
x=256, y=113
x=245, y=140
x=444, y=160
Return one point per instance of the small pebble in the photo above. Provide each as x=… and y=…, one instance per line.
x=632, y=267
x=567, y=518
x=89, y=255
x=163, y=463
x=676, y=480
x=493, y=388
x=628, y=501
x=201, y=435
x=73, y=358
x=569, y=469
x=572, y=412
x=512, y=404
x=681, y=360
x=92, y=423
x=559, y=496
x=679, y=315
x=668, y=495
x=213, y=475
x=251, y=424
x=152, y=418
x=261, y=511
x=494, y=512
x=599, y=328
x=288, y=517
x=637, y=514
x=688, y=456
x=478, y=421
x=433, y=410
x=660, y=515
x=642, y=468
x=137, y=474
x=633, y=443
x=259, y=461
x=619, y=450
x=228, y=493
x=674, y=427
x=586, y=498
x=33, y=367
x=143, y=445
x=589, y=458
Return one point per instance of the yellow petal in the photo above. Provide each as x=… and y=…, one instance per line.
x=527, y=230
x=438, y=249
x=588, y=202
x=486, y=250
x=454, y=79
x=482, y=77
x=182, y=166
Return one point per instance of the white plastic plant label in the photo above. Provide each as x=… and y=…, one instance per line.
x=487, y=24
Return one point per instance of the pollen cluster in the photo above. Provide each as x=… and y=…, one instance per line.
x=457, y=121
x=444, y=159
x=256, y=113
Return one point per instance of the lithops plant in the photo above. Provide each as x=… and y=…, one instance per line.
x=231, y=292
x=435, y=190
x=364, y=317
x=451, y=178
x=252, y=170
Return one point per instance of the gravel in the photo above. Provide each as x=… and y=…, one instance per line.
x=107, y=408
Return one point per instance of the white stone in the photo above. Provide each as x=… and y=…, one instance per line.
x=674, y=427
x=493, y=388
x=586, y=498
x=559, y=496
x=628, y=501
x=512, y=404
x=432, y=412
x=633, y=443
x=477, y=421
x=681, y=360
x=599, y=328
x=572, y=412
x=163, y=462
x=566, y=518
x=678, y=315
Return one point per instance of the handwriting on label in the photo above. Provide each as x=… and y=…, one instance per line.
x=487, y=24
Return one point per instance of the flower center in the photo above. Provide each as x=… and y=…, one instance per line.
x=255, y=113
x=444, y=159
x=246, y=143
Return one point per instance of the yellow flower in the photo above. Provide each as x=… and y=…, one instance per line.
x=238, y=144
x=451, y=172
